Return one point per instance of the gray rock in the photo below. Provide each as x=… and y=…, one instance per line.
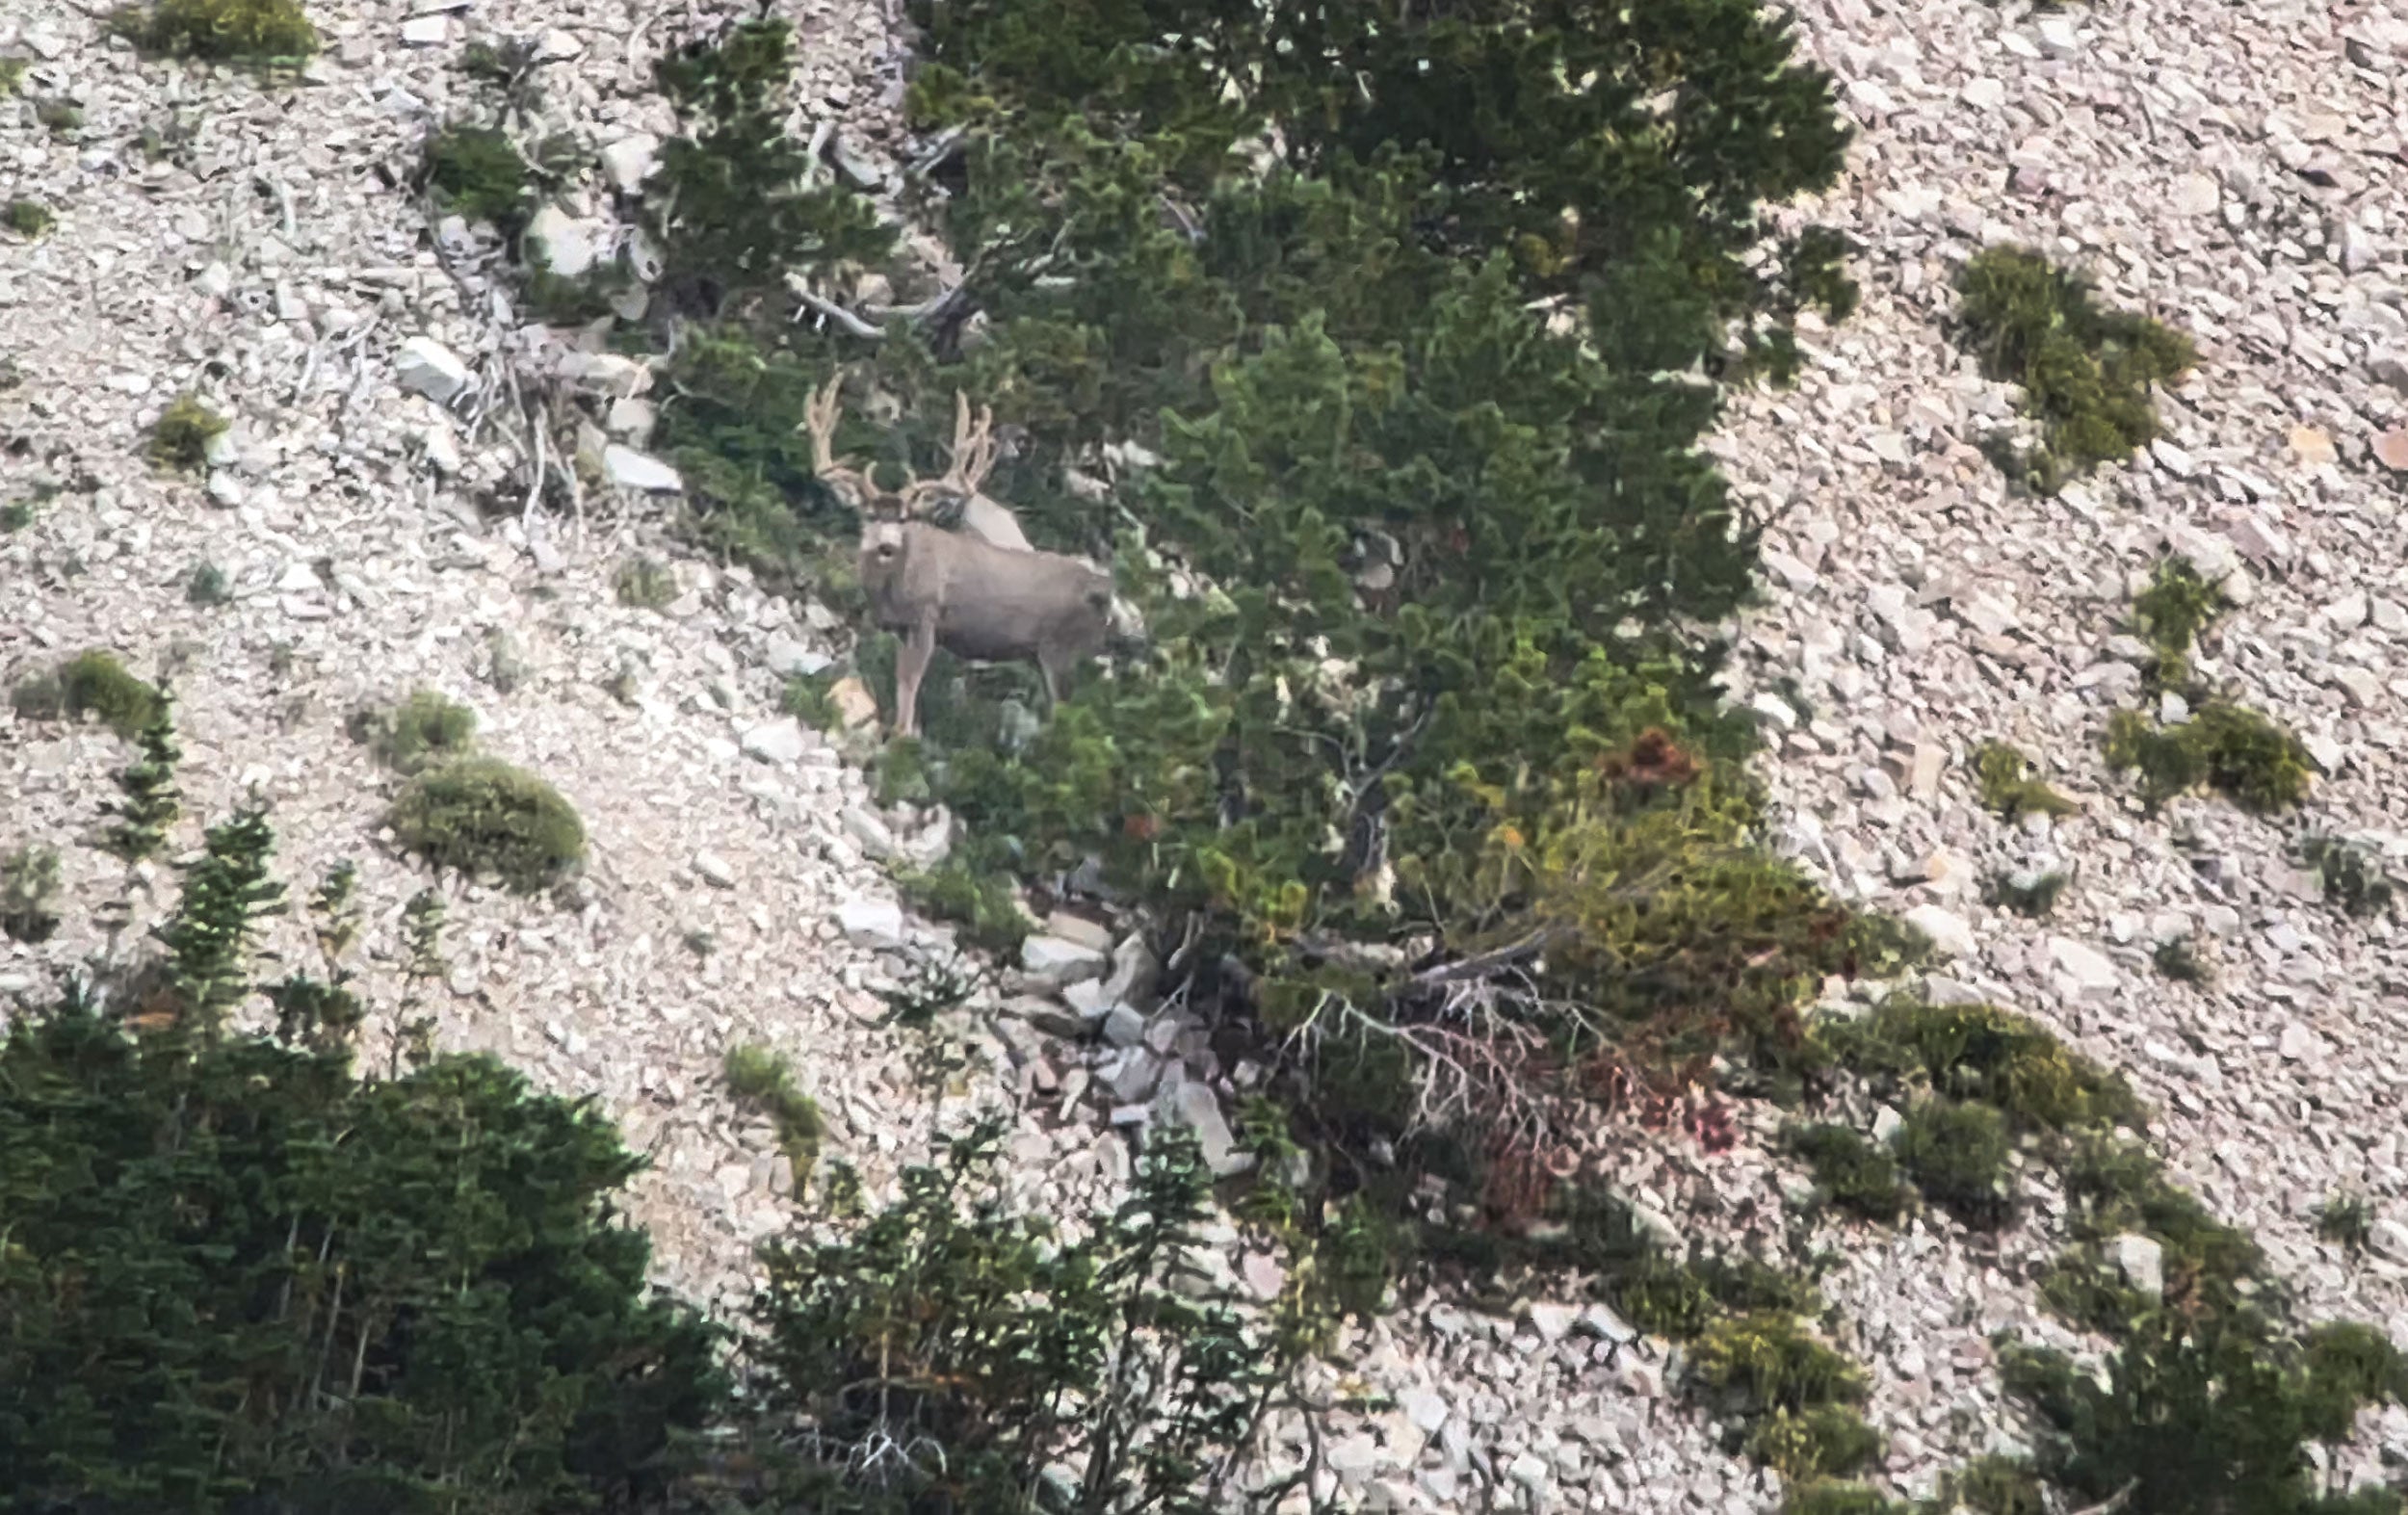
x=627, y=161
x=780, y=741
x=1552, y=1321
x=1121, y=1025
x=429, y=368
x=1425, y=1409
x=2389, y=367
x=561, y=244
x=1048, y=1015
x=1197, y=1108
x=715, y=869
x=2088, y=966
x=876, y=837
x=1079, y=931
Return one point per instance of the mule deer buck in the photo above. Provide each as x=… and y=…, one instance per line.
x=964, y=593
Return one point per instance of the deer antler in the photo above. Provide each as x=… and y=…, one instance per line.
x=819, y=418
x=973, y=456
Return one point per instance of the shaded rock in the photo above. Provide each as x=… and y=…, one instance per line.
x=428, y=367
x=781, y=742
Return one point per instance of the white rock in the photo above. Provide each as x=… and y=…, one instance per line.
x=442, y=449
x=789, y=658
x=1425, y=1409
x=2057, y=35
x=427, y=31
x=1951, y=935
x=560, y=242
x=1552, y=1321
x=630, y=469
x=2298, y=1044
x=1063, y=962
x=428, y=367
x=627, y=161
x=2141, y=1260
x=2197, y=194
x=779, y=742
x=871, y=923
x=715, y=869
x=2087, y=965
x=1197, y=1108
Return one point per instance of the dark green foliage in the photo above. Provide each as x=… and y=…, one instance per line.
x=2227, y=747
x=209, y=939
x=1995, y=1485
x=1830, y=1497
x=239, y=1279
x=807, y=698
x=2084, y=371
x=2351, y=873
x=481, y=816
x=2178, y=959
x=2116, y=1187
x=1981, y=1053
x=478, y=172
x=2007, y=787
x=2170, y=614
x=1858, y=1175
x=2032, y=894
x=221, y=30
x=207, y=585
x=644, y=583
x=17, y=515
x=181, y=437
x=732, y=204
x=1956, y=1153
x=1797, y=1392
x=152, y=802
x=1823, y=1441
x=423, y=730
x=2201, y=1413
x=11, y=74
x=29, y=893
x=94, y=683
x=981, y=899
x=978, y=1349
x=764, y=1080
x=28, y=218
x=2346, y=1221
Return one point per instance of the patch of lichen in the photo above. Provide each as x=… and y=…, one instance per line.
x=180, y=438
x=228, y=31
x=2007, y=787
x=2084, y=370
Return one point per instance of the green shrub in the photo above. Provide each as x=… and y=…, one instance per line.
x=207, y=585
x=2346, y=1221
x=1956, y=1153
x=1775, y=1362
x=94, y=683
x=29, y=893
x=644, y=583
x=2007, y=787
x=1981, y=1053
x=2225, y=746
x=423, y=730
x=152, y=802
x=764, y=1080
x=27, y=218
x=2178, y=959
x=230, y=30
x=1858, y=1175
x=481, y=816
x=180, y=438
x=2169, y=615
x=60, y=118
x=17, y=515
x=2032, y=894
x=978, y=1349
x=734, y=203
x=2351, y=873
x=982, y=900
x=2084, y=371
x=479, y=174
x=240, y=1276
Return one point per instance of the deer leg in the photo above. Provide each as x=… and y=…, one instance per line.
x=1054, y=663
x=911, y=664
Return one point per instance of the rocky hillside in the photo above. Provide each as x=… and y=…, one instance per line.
x=264, y=243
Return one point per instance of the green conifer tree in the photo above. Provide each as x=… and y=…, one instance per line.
x=152, y=802
x=209, y=939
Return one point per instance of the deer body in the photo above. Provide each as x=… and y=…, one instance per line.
x=969, y=595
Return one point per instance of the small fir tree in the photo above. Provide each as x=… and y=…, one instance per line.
x=152, y=802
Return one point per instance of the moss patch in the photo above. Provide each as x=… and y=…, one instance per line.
x=1979, y=1052
x=28, y=218
x=1855, y=1172
x=481, y=816
x=2086, y=371
x=91, y=681
x=224, y=30
x=1956, y=1153
x=418, y=733
x=765, y=1081
x=2224, y=747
